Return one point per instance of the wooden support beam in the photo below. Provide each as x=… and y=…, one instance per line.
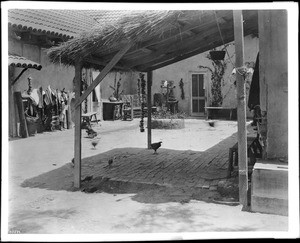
x=149, y=106
x=17, y=78
x=172, y=58
x=205, y=20
x=23, y=123
x=147, y=50
x=77, y=134
x=102, y=63
x=179, y=46
x=241, y=108
x=193, y=46
x=13, y=132
x=102, y=74
x=176, y=57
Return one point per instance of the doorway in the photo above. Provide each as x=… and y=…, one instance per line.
x=198, y=96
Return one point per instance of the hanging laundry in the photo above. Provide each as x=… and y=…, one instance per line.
x=40, y=94
x=35, y=96
x=48, y=95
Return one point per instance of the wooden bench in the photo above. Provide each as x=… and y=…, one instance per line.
x=88, y=117
x=133, y=106
x=254, y=150
x=211, y=108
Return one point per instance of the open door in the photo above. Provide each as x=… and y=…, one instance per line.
x=198, y=94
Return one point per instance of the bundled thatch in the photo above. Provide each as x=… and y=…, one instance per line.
x=136, y=27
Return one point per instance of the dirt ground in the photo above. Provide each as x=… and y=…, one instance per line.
x=106, y=207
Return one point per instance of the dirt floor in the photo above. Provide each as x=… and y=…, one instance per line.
x=108, y=206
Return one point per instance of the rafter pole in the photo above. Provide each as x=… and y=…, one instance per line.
x=102, y=63
x=77, y=134
x=102, y=74
x=149, y=106
x=17, y=78
x=241, y=109
x=180, y=46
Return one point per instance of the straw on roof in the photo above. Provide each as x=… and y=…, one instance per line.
x=135, y=27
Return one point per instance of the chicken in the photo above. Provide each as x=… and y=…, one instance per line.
x=110, y=161
x=211, y=123
x=95, y=143
x=155, y=146
x=91, y=133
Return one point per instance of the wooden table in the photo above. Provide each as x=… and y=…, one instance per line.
x=88, y=117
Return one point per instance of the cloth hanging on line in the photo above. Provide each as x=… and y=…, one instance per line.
x=48, y=95
x=40, y=94
x=33, y=96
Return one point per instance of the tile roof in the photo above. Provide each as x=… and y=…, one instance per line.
x=62, y=22
x=106, y=16
x=22, y=62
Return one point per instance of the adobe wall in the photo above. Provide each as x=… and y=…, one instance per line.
x=183, y=69
x=274, y=80
x=58, y=77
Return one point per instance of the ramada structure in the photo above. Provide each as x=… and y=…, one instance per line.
x=144, y=41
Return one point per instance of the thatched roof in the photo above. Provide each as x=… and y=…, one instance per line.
x=153, y=33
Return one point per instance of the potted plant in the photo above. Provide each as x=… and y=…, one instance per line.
x=217, y=55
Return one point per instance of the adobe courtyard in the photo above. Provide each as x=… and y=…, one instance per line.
x=172, y=191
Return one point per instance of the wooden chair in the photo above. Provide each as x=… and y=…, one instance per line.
x=254, y=150
x=127, y=111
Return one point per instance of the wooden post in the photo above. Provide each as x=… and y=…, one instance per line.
x=149, y=106
x=70, y=96
x=241, y=108
x=90, y=97
x=23, y=124
x=13, y=132
x=77, y=117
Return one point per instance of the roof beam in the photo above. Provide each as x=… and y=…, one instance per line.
x=181, y=47
x=183, y=23
x=16, y=79
x=102, y=63
x=186, y=53
x=175, y=34
x=153, y=66
x=181, y=56
x=204, y=22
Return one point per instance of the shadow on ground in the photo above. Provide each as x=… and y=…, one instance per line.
x=98, y=176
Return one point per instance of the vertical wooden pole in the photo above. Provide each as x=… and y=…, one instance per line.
x=77, y=117
x=12, y=106
x=241, y=108
x=23, y=123
x=149, y=106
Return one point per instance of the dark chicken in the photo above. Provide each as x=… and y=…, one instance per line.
x=91, y=133
x=211, y=123
x=155, y=146
x=110, y=161
x=95, y=143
